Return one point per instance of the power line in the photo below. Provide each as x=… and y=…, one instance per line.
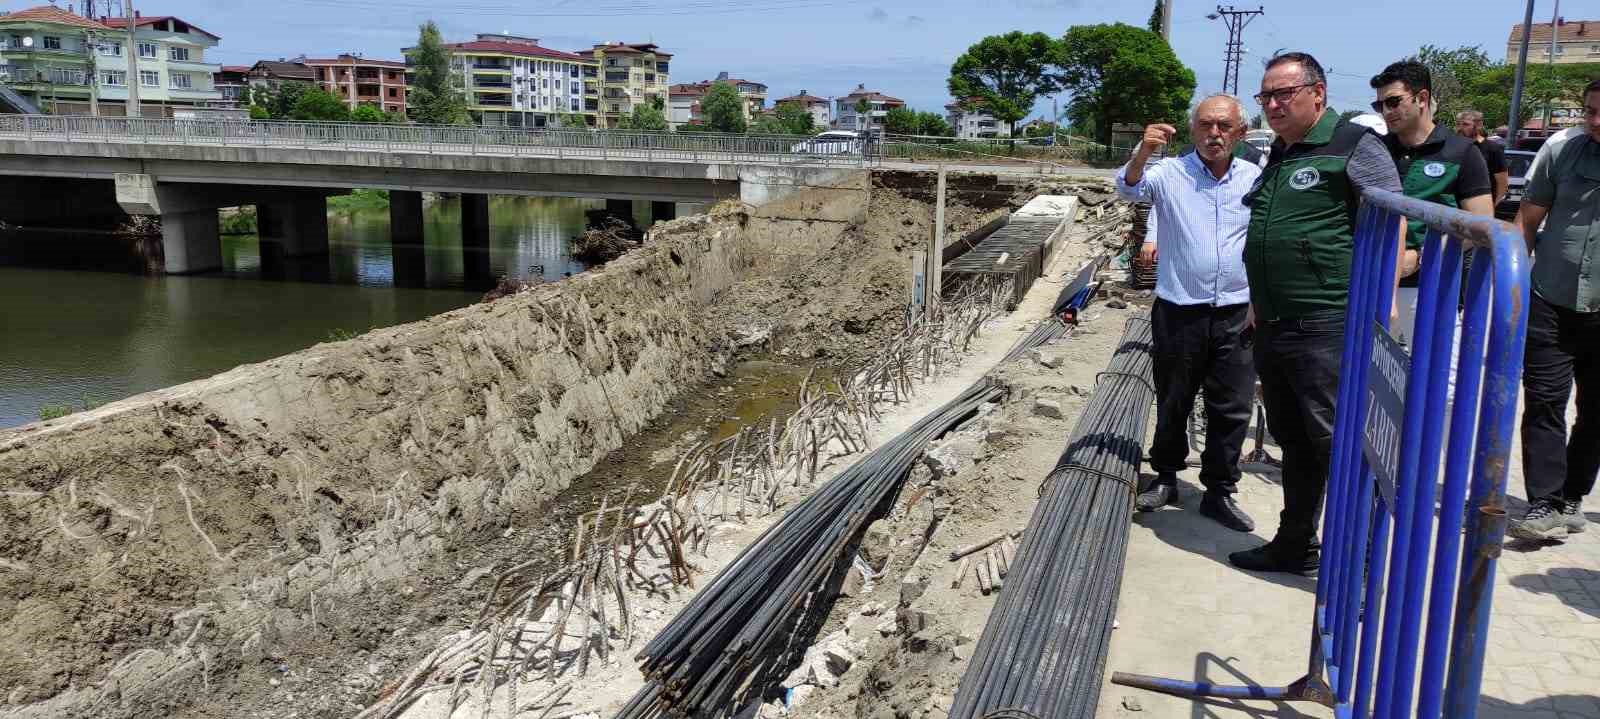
x=1236, y=20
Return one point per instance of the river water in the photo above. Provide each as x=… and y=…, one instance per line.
x=82, y=323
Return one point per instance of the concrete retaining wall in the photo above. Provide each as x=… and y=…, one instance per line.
x=157, y=541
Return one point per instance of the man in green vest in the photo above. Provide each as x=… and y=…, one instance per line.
x=1297, y=256
x=1435, y=164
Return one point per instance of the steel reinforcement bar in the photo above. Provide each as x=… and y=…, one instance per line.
x=1043, y=650
x=747, y=626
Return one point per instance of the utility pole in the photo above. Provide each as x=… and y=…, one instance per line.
x=1513, y=124
x=133, y=63
x=1555, y=29
x=1236, y=20
x=1166, y=21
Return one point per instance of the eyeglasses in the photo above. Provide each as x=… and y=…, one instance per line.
x=1282, y=95
x=1207, y=125
x=1391, y=102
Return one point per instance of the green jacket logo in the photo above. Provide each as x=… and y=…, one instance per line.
x=1433, y=169
x=1305, y=177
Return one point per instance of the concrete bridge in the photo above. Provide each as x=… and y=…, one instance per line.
x=59, y=169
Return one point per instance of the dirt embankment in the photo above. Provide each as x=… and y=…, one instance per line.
x=311, y=520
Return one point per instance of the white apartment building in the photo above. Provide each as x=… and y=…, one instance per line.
x=974, y=122
x=513, y=81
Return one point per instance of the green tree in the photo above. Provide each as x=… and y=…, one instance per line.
x=901, y=121
x=723, y=109
x=1043, y=129
x=572, y=121
x=280, y=102
x=436, y=95
x=645, y=117
x=317, y=104
x=1155, y=17
x=1119, y=73
x=1008, y=73
x=395, y=118
x=933, y=124
x=368, y=112
x=258, y=112
x=795, y=119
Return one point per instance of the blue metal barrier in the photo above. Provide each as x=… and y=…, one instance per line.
x=1377, y=607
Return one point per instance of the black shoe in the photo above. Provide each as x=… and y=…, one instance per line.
x=1222, y=508
x=1160, y=494
x=1279, y=556
x=1544, y=521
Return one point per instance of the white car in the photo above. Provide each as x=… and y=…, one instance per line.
x=832, y=142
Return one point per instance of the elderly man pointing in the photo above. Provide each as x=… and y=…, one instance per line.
x=1201, y=319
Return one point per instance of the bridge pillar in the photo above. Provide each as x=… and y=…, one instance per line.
x=298, y=224
x=406, y=238
x=190, y=241
x=475, y=240
x=663, y=211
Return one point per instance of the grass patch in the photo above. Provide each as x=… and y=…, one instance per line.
x=57, y=410
x=360, y=200
x=340, y=334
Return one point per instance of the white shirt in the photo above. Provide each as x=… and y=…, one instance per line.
x=1203, y=224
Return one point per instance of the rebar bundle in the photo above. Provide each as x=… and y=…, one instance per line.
x=1043, y=650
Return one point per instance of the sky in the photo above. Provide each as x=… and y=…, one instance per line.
x=903, y=48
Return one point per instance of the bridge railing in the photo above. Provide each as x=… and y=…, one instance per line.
x=440, y=139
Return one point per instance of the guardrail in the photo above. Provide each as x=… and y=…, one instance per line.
x=433, y=139
x=1371, y=625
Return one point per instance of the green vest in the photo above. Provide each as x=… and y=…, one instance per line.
x=1302, y=223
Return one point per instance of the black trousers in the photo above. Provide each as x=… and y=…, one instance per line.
x=1199, y=346
x=1563, y=349
x=1298, y=361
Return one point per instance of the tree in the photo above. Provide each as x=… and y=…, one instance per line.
x=1119, y=73
x=396, y=117
x=795, y=119
x=280, y=102
x=1465, y=78
x=572, y=121
x=436, y=95
x=1007, y=74
x=317, y=104
x=1043, y=129
x=901, y=121
x=645, y=117
x=258, y=112
x=723, y=109
x=368, y=112
x=1155, y=17
x=1255, y=122
x=933, y=124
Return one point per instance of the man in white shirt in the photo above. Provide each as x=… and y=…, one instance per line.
x=1201, y=322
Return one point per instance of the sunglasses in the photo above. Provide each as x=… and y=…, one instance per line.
x=1282, y=95
x=1391, y=102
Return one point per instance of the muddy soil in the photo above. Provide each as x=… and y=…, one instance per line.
x=331, y=664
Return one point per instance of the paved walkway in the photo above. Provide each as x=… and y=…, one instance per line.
x=1186, y=613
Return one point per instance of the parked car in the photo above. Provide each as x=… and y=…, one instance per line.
x=1517, y=162
x=832, y=142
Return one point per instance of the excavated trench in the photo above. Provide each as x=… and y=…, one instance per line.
x=282, y=539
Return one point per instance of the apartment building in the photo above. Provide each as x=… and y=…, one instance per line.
x=173, y=70
x=878, y=105
x=69, y=64
x=1575, y=42
x=629, y=74
x=972, y=122
x=232, y=83
x=817, y=106
x=513, y=81
x=683, y=103
x=359, y=81
x=273, y=74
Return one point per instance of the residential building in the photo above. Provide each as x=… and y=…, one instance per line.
x=69, y=64
x=47, y=57
x=173, y=71
x=1575, y=42
x=629, y=74
x=359, y=81
x=817, y=106
x=232, y=82
x=513, y=81
x=878, y=105
x=971, y=121
x=683, y=104
x=270, y=75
